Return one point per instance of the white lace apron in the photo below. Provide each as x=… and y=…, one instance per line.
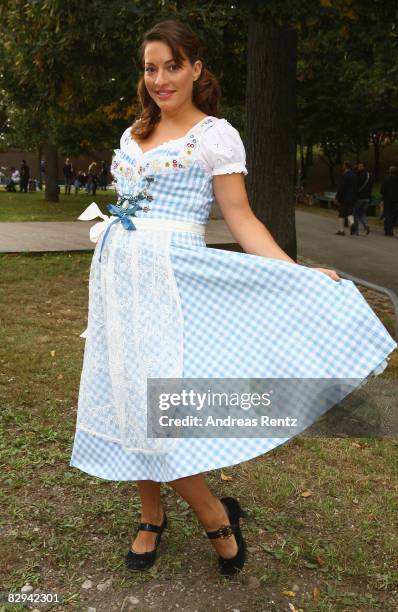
x=136, y=308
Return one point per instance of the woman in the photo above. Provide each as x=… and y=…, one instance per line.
x=164, y=306
x=92, y=179
x=68, y=175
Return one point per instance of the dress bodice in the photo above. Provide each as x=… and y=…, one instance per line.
x=174, y=179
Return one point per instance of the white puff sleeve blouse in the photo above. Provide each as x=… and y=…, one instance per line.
x=221, y=150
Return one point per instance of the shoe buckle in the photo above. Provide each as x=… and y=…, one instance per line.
x=225, y=532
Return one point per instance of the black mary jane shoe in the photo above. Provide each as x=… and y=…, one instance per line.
x=229, y=567
x=139, y=562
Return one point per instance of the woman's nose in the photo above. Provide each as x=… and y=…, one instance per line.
x=161, y=78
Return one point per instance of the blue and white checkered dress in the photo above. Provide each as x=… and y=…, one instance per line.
x=223, y=314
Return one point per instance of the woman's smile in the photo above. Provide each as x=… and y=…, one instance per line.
x=164, y=94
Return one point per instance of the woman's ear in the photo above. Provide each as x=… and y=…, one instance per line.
x=198, y=66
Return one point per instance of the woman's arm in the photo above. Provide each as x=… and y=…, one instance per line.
x=246, y=228
x=248, y=231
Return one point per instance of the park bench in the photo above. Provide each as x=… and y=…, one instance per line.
x=327, y=200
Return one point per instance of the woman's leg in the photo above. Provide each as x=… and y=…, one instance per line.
x=151, y=512
x=208, y=508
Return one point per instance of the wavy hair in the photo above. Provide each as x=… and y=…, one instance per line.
x=206, y=93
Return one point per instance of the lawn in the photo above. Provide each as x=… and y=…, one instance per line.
x=321, y=526
x=32, y=207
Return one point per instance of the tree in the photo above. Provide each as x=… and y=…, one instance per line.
x=58, y=69
x=347, y=86
x=271, y=126
x=73, y=78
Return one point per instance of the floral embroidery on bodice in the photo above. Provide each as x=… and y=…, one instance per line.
x=180, y=188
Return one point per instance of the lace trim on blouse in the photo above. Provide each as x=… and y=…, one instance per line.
x=219, y=149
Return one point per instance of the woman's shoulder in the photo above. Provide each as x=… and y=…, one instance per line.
x=221, y=148
x=220, y=126
x=219, y=134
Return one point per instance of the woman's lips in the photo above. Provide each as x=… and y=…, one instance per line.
x=164, y=95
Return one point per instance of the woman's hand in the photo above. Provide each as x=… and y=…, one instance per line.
x=332, y=273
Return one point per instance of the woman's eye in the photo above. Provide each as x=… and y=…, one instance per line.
x=148, y=69
x=174, y=67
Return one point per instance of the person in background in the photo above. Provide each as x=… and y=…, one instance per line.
x=24, y=174
x=103, y=176
x=68, y=175
x=12, y=180
x=345, y=197
x=389, y=192
x=79, y=181
x=92, y=179
x=364, y=197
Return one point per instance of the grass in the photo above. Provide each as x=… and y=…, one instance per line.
x=335, y=549
x=32, y=206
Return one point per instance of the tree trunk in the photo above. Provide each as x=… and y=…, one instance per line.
x=332, y=158
x=51, y=159
x=308, y=161
x=39, y=172
x=309, y=156
x=301, y=175
x=376, y=153
x=271, y=128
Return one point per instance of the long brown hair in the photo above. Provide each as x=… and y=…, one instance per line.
x=206, y=89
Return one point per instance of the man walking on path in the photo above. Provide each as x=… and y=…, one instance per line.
x=346, y=197
x=389, y=192
x=364, y=196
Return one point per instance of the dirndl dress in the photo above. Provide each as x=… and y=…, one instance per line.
x=164, y=305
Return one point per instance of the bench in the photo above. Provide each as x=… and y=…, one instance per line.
x=327, y=200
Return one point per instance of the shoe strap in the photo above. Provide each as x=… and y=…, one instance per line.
x=223, y=532
x=150, y=527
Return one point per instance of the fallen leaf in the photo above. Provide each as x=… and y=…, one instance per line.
x=289, y=593
x=316, y=594
x=52, y=353
x=225, y=477
x=60, y=376
x=306, y=493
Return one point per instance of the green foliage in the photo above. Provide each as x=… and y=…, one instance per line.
x=71, y=69
x=347, y=86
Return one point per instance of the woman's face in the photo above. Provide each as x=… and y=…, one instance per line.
x=168, y=85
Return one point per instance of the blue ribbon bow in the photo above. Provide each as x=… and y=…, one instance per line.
x=123, y=215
